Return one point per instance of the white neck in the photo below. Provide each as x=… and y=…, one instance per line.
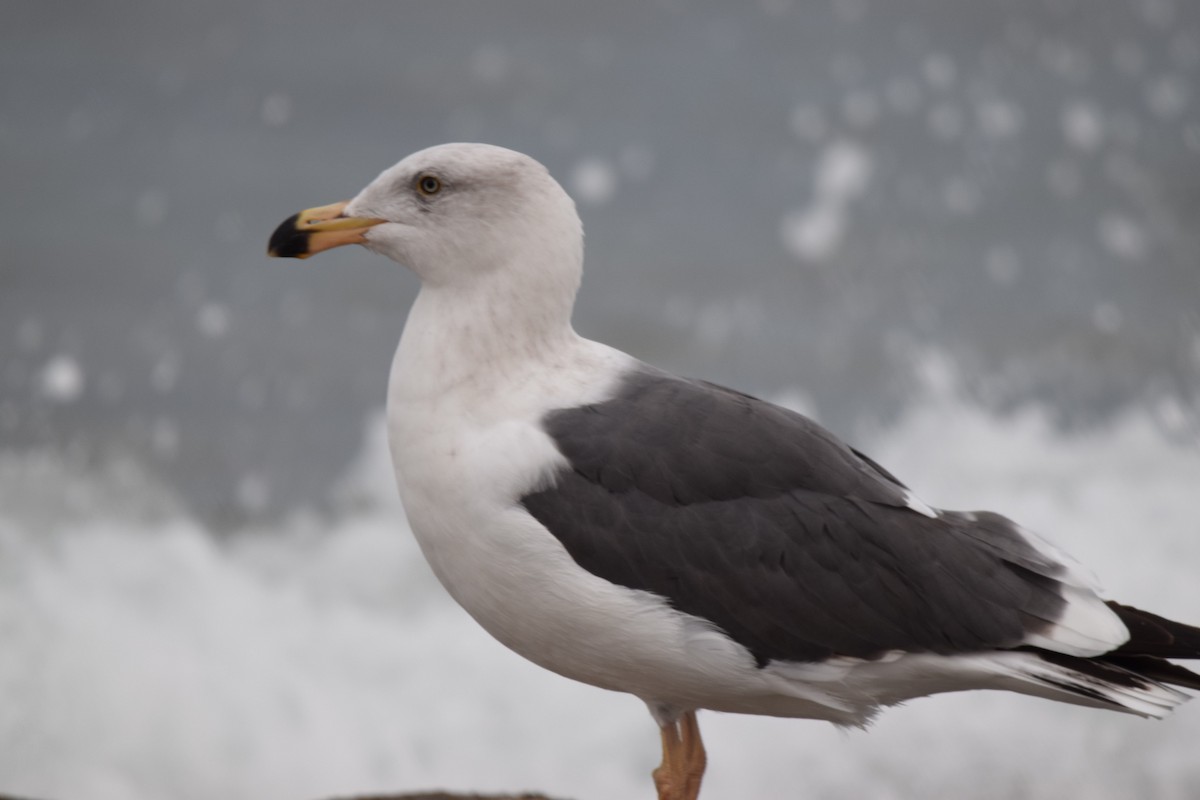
x=467, y=335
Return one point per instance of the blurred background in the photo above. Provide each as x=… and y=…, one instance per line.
x=961, y=235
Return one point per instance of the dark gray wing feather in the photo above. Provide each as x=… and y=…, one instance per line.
x=762, y=522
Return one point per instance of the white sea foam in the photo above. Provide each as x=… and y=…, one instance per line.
x=141, y=658
x=816, y=231
x=62, y=379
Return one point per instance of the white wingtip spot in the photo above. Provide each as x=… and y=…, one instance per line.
x=1087, y=627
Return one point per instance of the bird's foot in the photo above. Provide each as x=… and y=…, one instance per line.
x=679, y=775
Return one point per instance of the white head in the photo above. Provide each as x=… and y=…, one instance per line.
x=455, y=214
x=495, y=240
x=460, y=210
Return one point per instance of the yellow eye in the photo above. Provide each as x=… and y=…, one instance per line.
x=428, y=185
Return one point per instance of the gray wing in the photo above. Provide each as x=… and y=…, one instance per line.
x=762, y=522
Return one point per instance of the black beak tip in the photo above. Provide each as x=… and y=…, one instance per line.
x=288, y=241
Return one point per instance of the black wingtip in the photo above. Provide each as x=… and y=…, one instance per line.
x=1152, y=635
x=288, y=241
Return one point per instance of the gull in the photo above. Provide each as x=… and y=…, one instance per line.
x=687, y=543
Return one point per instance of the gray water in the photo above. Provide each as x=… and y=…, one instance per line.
x=778, y=195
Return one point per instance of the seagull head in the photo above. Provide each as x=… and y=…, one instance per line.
x=454, y=214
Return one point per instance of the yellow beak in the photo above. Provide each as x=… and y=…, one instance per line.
x=316, y=229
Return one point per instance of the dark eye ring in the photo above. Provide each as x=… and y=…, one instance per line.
x=428, y=185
